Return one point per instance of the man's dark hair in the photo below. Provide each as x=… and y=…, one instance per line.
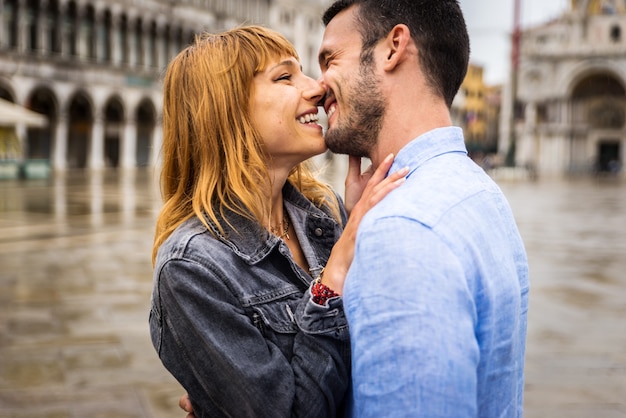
x=437, y=28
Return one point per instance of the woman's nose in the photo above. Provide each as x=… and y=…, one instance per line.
x=316, y=91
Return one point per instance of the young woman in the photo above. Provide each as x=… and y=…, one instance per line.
x=246, y=308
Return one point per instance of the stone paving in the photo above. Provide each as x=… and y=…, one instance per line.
x=575, y=235
x=75, y=283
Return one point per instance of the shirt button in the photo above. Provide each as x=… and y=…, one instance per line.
x=318, y=232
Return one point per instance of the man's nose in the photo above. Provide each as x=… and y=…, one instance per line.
x=321, y=81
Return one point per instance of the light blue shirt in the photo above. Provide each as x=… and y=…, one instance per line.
x=437, y=295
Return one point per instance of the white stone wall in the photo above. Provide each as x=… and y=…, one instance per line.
x=555, y=58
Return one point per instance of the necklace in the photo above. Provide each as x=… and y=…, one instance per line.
x=285, y=231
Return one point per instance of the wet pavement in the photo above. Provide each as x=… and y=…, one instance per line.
x=575, y=235
x=75, y=283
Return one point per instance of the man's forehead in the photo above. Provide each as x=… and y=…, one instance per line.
x=340, y=33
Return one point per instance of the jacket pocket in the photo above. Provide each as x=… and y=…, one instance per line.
x=277, y=316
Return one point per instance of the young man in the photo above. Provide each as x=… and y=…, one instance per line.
x=437, y=295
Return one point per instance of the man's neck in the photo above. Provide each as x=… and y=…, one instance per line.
x=401, y=127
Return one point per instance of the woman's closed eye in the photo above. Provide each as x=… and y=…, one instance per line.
x=286, y=77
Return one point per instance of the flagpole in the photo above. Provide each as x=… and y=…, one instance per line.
x=515, y=53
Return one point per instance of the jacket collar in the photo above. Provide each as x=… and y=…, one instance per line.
x=251, y=241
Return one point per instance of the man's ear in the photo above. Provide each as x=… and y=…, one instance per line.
x=396, y=44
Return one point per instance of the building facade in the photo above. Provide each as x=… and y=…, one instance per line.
x=94, y=68
x=474, y=109
x=571, y=93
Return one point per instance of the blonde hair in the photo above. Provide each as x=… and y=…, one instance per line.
x=212, y=155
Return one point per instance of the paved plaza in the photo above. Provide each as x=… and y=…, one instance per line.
x=75, y=283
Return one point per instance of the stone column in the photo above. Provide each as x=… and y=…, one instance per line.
x=96, y=142
x=43, y=26
x=22, y=27
x=164, y=46
x=146, y=42
x=82, y=34
x=129, y=144
x=3, y=41
x=20, y=131
x=157, y=143
x=59, y=151
x=132, y=44
x=528, y=149
x=116, y=39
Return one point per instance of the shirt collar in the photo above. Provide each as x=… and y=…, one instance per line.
x=429, y=145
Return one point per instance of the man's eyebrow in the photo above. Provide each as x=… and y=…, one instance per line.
x=321, y=57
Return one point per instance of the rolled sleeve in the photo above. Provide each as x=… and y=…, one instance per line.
x=313, y=318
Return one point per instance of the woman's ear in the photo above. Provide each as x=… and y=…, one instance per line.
x=396, y=43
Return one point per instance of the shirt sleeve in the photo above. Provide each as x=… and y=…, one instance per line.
x=207, y=341
x=411, y=316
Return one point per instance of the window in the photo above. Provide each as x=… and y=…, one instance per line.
x=32, y=13
x=52, y=23
x=10, y=17
x=107, y=50
x=616, y=33
x=70, y=28
x=138, y=43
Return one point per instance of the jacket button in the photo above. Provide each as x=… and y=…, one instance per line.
x=318, y=232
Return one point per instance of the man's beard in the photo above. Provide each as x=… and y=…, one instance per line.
x=362, y=121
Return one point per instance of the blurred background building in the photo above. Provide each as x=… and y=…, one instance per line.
x=570, y=104
x=478, y=112
x=93, y=69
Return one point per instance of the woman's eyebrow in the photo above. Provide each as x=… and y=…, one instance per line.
x=289, y=63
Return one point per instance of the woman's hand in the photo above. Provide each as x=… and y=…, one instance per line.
x=363, y=191
x=185, y=405
x=356, y=182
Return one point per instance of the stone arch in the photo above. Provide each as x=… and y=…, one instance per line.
x=40, y=140
x=113, y=130
x=6, y=92
x=599, y=102
x=598, y=84
x=145, y=115
x=80, y=124
x=571, y=78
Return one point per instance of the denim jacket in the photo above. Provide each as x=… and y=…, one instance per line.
x=232, y=318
